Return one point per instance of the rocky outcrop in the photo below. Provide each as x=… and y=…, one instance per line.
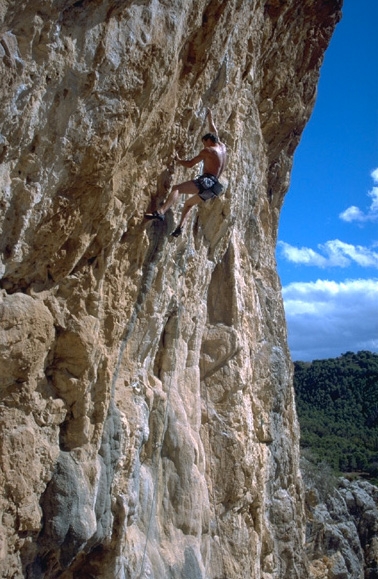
x=148, y=426
x=342, y=538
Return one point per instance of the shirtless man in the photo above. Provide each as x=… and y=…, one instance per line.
x=204, y=187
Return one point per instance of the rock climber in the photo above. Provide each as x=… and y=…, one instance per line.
x=202, y=188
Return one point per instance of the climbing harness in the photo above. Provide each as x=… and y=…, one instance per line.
x=209, y=186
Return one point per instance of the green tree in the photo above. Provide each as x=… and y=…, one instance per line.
x=337, y=403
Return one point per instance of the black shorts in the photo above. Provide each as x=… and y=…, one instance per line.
x=209, y=186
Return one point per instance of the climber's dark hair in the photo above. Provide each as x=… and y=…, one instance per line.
x=210, y=136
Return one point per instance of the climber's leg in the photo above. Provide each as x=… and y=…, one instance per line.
x=189, y=203
x=186, y=188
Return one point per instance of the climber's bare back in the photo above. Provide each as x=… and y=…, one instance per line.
x=214, y=159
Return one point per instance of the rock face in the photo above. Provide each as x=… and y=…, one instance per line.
x=342, y=531
x=148, y=426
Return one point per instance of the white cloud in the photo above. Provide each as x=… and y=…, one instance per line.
x=353, y=213
x=336, y=253
x=303, y=255
x=326, y=318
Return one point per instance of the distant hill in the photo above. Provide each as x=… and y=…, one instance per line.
x=337, y=403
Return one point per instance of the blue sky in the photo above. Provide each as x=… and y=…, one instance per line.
x=327, y=252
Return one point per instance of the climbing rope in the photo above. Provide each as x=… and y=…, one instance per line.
x=212, y=494
x=165, y=422
x=211, y=474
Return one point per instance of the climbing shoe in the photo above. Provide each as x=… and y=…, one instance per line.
x=176, y=232
x=155, y=215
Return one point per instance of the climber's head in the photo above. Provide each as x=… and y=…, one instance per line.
x=210, y=137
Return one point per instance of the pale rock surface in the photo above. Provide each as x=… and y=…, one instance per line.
x=147, y=411
x=342, y=531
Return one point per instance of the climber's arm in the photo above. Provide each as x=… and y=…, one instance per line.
x=189, y=163
x=212, y=127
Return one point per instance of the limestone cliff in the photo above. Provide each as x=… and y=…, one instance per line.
x=148, y=426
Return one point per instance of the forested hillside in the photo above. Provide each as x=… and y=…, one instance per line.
x=337, y=402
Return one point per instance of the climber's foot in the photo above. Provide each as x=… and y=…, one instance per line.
x=155, y=215
x=176, y=232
